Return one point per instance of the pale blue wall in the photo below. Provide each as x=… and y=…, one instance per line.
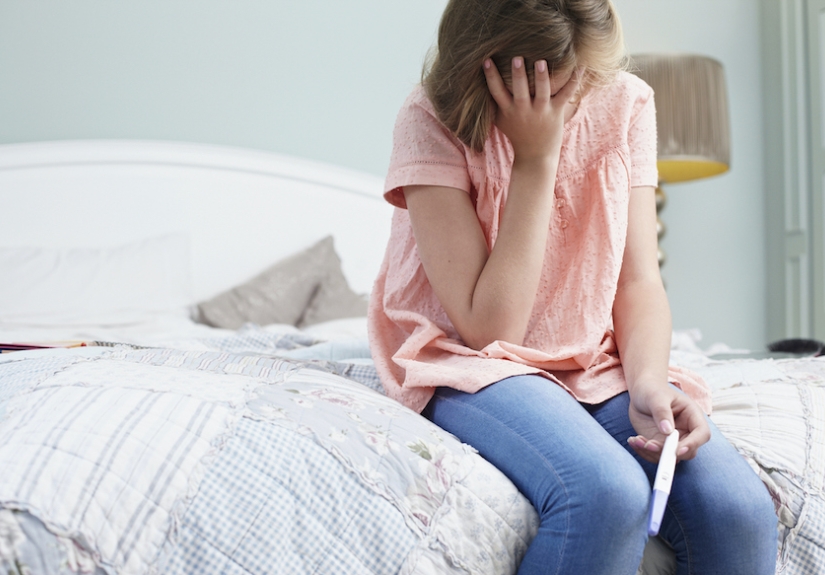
x=316, y=78
x=325, y=78
x=716, y=233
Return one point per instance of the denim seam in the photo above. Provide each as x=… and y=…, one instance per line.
x=684, y=538
x=542, y=458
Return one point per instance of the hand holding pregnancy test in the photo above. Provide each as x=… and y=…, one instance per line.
x=662, y=483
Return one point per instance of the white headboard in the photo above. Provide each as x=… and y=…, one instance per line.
x=243, y=209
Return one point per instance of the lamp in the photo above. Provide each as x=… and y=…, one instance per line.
x=691, y=117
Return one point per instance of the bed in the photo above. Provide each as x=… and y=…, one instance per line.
x=223, y=414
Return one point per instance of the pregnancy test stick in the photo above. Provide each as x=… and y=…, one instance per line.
x=661, y=486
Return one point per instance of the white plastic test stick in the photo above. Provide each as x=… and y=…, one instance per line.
x=661, y=486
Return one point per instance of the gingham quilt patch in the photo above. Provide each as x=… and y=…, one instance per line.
x=276, y=502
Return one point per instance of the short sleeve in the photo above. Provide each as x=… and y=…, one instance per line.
x=424, y=152
x=641, y=139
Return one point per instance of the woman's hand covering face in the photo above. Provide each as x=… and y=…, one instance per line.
x=533, y=122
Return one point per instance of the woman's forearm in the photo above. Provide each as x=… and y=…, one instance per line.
x=642, y=325
x=488, y=295
x=503, y=297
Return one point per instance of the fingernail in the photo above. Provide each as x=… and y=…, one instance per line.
x=487, y=63
x=682, y=450
x=666, y=427
x=541, y=65
x=517, y=62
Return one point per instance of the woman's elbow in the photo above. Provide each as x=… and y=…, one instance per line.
x=481, y=336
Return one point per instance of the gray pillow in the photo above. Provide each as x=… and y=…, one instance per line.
x=307, y=287
x=333, y=299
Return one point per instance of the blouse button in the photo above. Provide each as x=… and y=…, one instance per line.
x=564, y=224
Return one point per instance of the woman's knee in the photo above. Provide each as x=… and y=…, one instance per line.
x=607, y=492
x=624, y=494
x=728, y=518
x=732, y=492
x=747, y=510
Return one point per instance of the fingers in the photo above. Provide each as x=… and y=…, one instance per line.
x=645, y=448
x=692, y=419
x=520, y=82
x=655, y=414
x=641, y=442
x=541, y=79
x=521, y=87
x=662, y=414
x=496, y=85
x=533, y=125
x=689, y=443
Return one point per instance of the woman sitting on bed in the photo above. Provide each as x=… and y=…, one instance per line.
x=520, y=305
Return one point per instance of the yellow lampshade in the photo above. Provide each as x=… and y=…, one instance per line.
x=691, y=114
x=686, y=169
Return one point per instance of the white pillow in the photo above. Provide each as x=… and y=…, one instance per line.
x=48, y=286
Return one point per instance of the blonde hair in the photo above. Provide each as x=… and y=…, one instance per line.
x=568, y=34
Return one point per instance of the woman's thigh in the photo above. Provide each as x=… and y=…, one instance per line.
x=719, y=517
x=591, y=495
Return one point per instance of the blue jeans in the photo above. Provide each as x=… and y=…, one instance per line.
x=591, y=490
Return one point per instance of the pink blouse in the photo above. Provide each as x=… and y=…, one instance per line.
x=609, y=147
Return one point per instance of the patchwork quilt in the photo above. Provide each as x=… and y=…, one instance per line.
x=773, y=412
x=277, y=454
x=162, y=461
